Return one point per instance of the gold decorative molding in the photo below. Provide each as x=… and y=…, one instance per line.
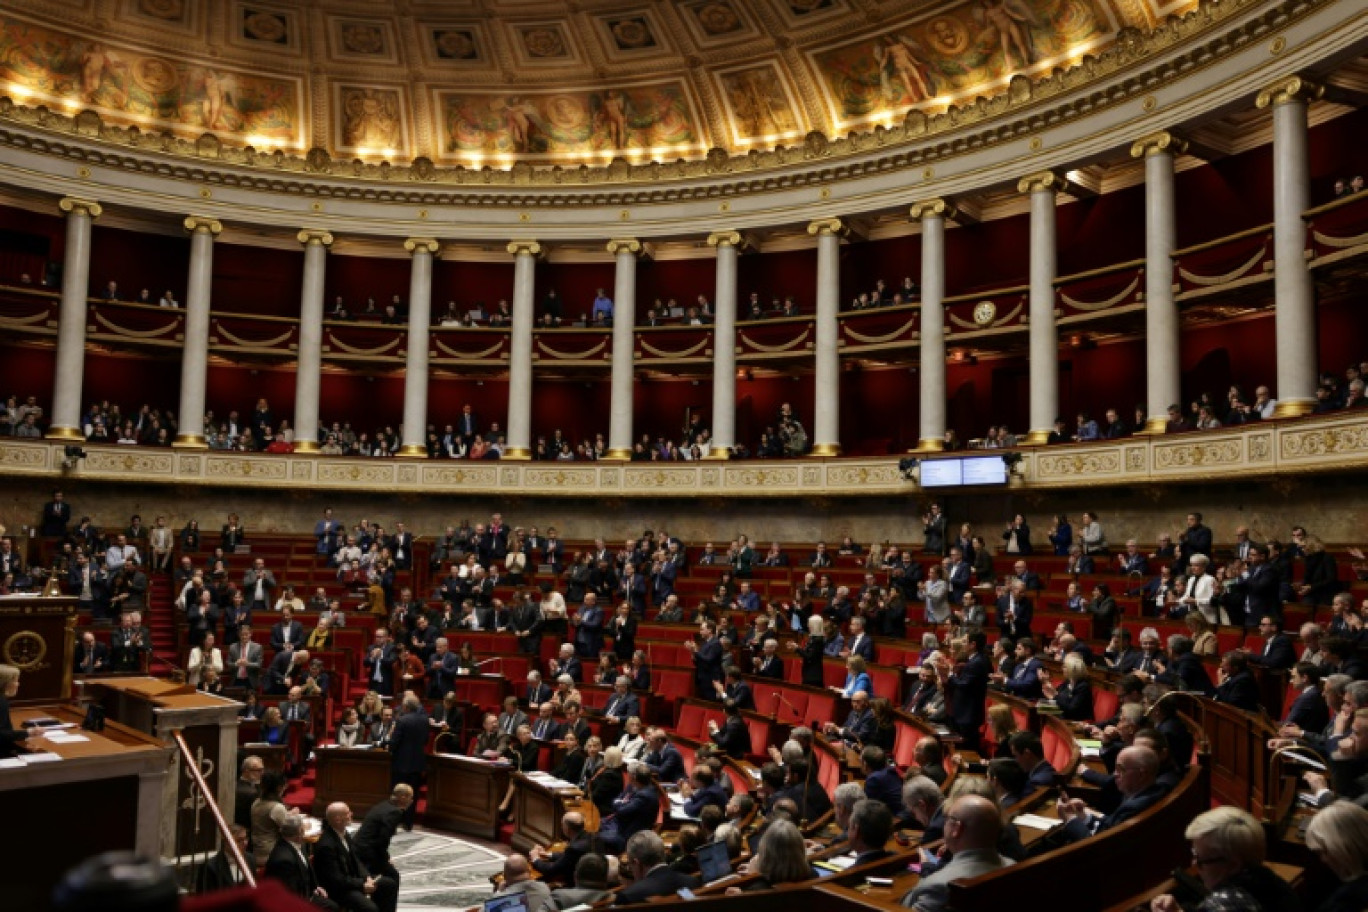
x=833, y=226
x=75, y=204
x=724, y=239
x=311, y=236
x=932, y=208
x=625, y=245
x=1161, y=143
x=1289, y=89
x=526, y=248
x=202, y=223
x=1042, y=180
x=418, y=245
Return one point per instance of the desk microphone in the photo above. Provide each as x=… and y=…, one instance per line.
x=782, y=699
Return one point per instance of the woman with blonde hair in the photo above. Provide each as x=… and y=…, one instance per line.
x=606, y=783
x=371, y=708
x=1074, y=697
x=515, y=564
x=10, y=737
x=857, y=679
x=812, y=650
x=1203, y=635
x=1338, y=834
x=780, y=858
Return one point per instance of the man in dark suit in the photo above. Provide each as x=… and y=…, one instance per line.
x=280, y=677
x=733, y=736
x=1238, y=687
x=635, y=810
x=575, y=723
x=538, y=692
x=1195, y=539
x=651, y=876
x=56, y=517
x=1309, y=711
x=527, y=627
x=1132, y=561
x=288, y=864
x=401, y=547
x=663, y=759
x=1029, y=754
x=408, y=748
x=467, y=426
x=802, y=788
x=1255, y=594
x=966, y=687
x=221, y=872
x=871, y=825
x=768, y=664
x=343, y=875
x=737, y=690
x=859, y=725
x=559, y=867
x=442, y=667
x=287, y=633
x=1025, y=679
x=623, y=704
x=1278, y=653
x=248, y=789
x=958, y=576
x=1136, y=770
x=859, y=642
x=92, y=656
x=1014, y=611
x=700, y=790
x=707, y=659
x=545, y=727
x=372, y=841
x=1184, y=670
x=379, y=664
x=882, y=782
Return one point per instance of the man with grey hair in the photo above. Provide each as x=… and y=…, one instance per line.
x=972, y=830
x=289, y=865
x=408, y=751
x=537, y=692
x=1184, y=670
x=923, y=806
x=1135, y=773
x=566, y=662
x=518, y=881
x=870, y=826
x=844, y=799
x=651, y=876
x=623, y=704
x=1311, y=634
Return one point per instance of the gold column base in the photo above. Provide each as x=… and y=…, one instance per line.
x=1157, y=425
x=618, y=454
x=930, y=445
x=718, y=454
x=412, y=451
x=65, y=433
x=1293, y=408
x=1038, y=438
x=517, y=454
x=825, y=450
x=190, y=442
x=308, y=446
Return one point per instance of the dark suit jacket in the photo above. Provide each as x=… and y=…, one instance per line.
x=885, y=786
x=372, y=841
x=1308, y=711
x=967, y=688
x=668, y=764
x=1277, y=653
x=285, y=865
x=635, y=811
x=708, y=665
x=1079, y=828
x=663, y=881
x=540, y=694
x=623, y=706
x=1240, y=690
x=713, y=794
x=560, y=867
x=217, y=874
x=408, y=744
x=741, y=693
x=337, y=867
x=1188, y=673
x=1024, y=681
x=101, y=655
x=734, y=737
x=772, y=668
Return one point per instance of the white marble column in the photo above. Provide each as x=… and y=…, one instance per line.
x=626, y=251
x=309, y=355
x=414, y=442
x=1044, y=343
x=71, y=321
x=1294, y=320
x=826, y=411
x=932, y=215
x=195, y=350
x=1162, y=366
x=728, y=246
x=519, y=444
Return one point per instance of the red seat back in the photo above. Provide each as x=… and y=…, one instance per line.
x=1105, y=703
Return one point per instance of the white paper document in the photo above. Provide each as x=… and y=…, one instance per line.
x=1036, y=822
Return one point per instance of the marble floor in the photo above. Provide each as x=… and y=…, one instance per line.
x=439, y=872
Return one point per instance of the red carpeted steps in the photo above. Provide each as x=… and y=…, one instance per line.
x=161, y=621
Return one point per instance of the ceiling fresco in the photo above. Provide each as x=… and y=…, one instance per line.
x=475, y=82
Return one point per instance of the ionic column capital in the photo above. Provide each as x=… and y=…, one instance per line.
x=933, y=208
x=1042, y=180
x=422, y=245
x=196, y=224
x=76, y=204
x=625, y=245
x=528, y=247
x=829, y=226
x=1160, y=143
x=725, y=239
x=1289, y=89
x=311, y=237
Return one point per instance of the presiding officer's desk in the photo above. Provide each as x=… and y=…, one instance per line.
x=104, y=794
x=463, y=793
x=360, y=776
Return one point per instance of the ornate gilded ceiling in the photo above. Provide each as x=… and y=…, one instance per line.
x=474, y=82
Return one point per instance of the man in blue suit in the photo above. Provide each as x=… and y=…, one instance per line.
x=589, y=628
x=1277, y=653
x=623, y=704
x=1238, y=687
x=701, y=790
x=858, y=642
x=882, y=782
x=707, y=658
x=958, y=576
x=966, y=685
x=1029, y=754
x=1025, y=679
x=1309, y=711
x=1014, y=611
x=1137, y=768
x=663, y=759
x=1256, y=594
x=636, y=809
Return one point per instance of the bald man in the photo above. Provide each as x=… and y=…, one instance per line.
x=518, y=879
x=342, y=874
x=972, y=829
x=1135, y=773
x=559, y=867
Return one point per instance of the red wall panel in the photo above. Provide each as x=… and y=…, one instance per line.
x=469, y=285
x=789, y=272
x=358, y=278
x=577, y=284
x=257, y=280
x=28, y=371
x=132, y=382
x=683, y=280
x=138, y=260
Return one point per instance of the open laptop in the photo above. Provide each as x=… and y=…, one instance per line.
x=516, y=902
x=713, y=862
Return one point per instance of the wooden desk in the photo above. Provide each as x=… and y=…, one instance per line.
x=463, y=794
x=358, y=776
x=538, y=812
x=485, y=691
x=209, y=725
x=105, y=794
x=40, y=639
